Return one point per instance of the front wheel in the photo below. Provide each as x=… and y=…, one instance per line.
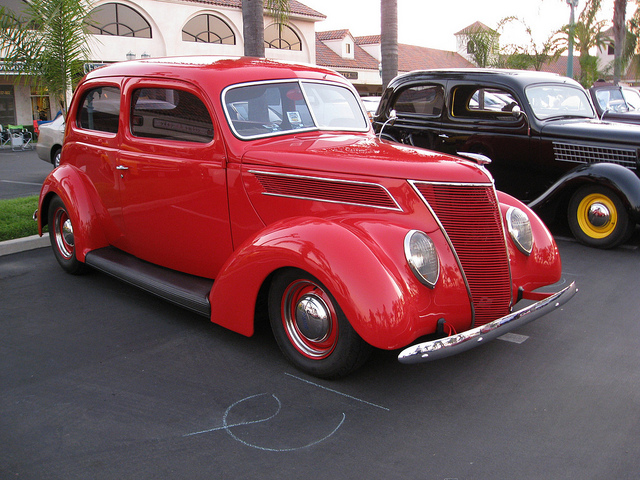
x=598, y=218
x=62, y=238
x=311, y=329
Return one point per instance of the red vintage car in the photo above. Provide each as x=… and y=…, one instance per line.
x=240, y=187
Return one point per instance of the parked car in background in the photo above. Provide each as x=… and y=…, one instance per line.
x=50, y=139
x=538, y=134
x=616, y=103
x=248, y=188
x=371, y=105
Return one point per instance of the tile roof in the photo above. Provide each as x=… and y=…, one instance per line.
x=369, y=40
x=332, y=34
x=328, y=58
x=295, y=7
x=474, y=28
x=412, y=57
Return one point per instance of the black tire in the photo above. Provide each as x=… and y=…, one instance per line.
x=55, y=157
x=62, y=239
x=325, y=347
x=597, y=217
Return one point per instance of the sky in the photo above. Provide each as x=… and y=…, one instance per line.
x=433, y=23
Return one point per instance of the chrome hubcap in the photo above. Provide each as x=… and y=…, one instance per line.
x=599, y=215
x=64, y=233
x=312, y=318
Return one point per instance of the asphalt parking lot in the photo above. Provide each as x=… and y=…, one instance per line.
x=102, y=381
x=21, y=173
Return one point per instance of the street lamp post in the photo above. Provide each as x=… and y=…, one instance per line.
x=572, y=5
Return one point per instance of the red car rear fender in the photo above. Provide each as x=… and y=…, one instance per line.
x=68, y=183
x=369, y=289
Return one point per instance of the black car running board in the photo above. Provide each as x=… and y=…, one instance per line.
x=185, y=290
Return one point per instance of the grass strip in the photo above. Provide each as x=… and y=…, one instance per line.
x=16, y=217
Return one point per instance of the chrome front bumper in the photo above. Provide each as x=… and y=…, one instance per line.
x=444, y=347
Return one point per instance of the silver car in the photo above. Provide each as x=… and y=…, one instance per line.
x=50, y=140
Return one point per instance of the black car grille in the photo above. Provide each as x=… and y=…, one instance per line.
x=470, y=215
x=570, y=152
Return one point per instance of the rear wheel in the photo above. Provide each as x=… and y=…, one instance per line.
x=62, y=237
x=598, y=218
x=311, y=329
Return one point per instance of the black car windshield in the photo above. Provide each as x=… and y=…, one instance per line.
x=550, y=101
x=265, y=109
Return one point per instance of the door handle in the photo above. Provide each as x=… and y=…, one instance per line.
x=122, y=167
x=443, y=135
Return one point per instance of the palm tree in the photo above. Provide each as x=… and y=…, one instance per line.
x=48, y=44
x=619, y=33
x=253, y=22
x=389, y=40
x=588, y=33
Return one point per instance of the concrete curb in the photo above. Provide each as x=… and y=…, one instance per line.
x=23, y=244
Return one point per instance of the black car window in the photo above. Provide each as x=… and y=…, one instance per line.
x=472, y=101
x=559, y=100
x=421, y=99
x=100, y=109
x=170, y=114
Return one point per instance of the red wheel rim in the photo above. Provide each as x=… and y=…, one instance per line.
x=309, y=319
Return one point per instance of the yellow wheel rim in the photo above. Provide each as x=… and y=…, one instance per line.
x=593, y=204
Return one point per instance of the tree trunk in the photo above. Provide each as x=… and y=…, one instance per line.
x=619, y=34
x=389, y=40
x=253, y=27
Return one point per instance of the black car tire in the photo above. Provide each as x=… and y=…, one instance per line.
x=62, y=239
x=616, y=229
x=327, y=346
x=55, y=157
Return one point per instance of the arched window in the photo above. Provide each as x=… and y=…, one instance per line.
x=281, y=37
x=208, y=28
x=118, y=20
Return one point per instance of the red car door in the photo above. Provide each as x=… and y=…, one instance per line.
x=172, y=173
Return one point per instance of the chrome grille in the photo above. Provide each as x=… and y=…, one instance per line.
x=570, y=152
x=326, y=190
x=470, y=216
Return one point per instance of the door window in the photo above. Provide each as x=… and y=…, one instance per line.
x=483, y=103
x=100, y=109
x=421, y=99
x=170, y=114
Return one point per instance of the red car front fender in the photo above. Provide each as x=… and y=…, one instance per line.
x=368, y=288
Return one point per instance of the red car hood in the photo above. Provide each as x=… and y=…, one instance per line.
x=350, y=154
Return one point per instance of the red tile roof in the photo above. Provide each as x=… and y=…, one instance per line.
x=332, y=35
x=369, y=40
x=411, y=57
x=328, y=58
x=474, y=28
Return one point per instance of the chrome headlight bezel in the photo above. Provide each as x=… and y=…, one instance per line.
x=519, y=227
x=422, y=257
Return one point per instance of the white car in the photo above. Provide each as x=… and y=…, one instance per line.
x=371, y=104
x=50, y=140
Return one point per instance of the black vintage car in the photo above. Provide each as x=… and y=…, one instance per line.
x=541, y=135
x=615, y=103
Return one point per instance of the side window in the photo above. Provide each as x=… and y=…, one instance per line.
x=481, y=102
x=100, y=110
x=171, y=115
x=422, y=99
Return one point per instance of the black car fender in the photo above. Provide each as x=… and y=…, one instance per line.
x=624, y=182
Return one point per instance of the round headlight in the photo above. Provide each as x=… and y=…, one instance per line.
x=422, y=257
x=520, y=229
